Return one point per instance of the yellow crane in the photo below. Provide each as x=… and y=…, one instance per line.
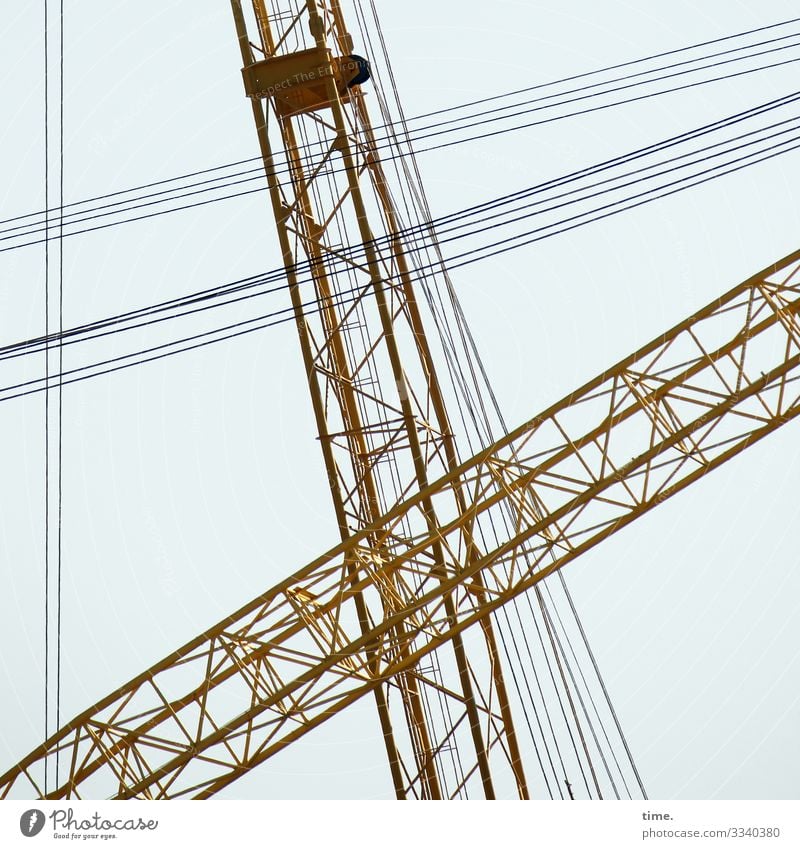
x=431, y=544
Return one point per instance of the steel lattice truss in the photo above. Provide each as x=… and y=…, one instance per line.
x=295, y=656
x=378, y=403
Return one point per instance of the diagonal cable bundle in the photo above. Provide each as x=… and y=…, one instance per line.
x=605, y=188
x=89, y=215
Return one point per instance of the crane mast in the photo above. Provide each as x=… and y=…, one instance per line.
x=378, y=404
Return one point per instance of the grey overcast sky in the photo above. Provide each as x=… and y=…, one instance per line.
x=194, y=483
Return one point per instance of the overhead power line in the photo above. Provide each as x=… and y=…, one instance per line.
x=454, y=261
x=448, y=109
x=20, y=235
x=571, y=189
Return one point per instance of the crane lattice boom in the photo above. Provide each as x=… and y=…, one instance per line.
x=295, y=656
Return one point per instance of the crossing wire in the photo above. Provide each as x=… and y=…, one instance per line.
x=129, y=205
x=478, y=212
x=46, y=397
x=416, y=207
x=463, y=258
x=474, y=402
x=60, y=494
x=478, y=102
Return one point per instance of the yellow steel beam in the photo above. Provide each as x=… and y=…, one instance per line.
x=597, y=460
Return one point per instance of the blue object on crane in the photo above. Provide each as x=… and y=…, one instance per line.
x=362, y=69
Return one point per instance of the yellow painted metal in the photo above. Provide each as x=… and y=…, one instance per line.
x=297, y=82
x=308, y=359
x=595, y=461
x=377, y=400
